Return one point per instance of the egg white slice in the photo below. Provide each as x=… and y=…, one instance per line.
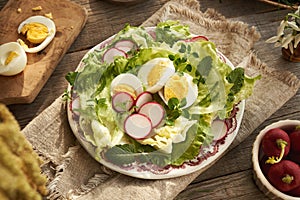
x=191, y=93
x=51, y=29
x=129, y=80
x=164, y=74
x=17, y=64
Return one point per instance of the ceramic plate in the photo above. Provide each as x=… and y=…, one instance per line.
x=151, y=164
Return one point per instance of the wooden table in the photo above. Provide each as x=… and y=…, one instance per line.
x=231, y=176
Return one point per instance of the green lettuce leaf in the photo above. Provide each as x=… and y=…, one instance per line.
x=171, y=31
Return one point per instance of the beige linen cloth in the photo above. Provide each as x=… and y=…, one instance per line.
x=73, y=174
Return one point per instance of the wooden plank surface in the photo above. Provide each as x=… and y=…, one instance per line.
x=231, y=176
x=69, y=19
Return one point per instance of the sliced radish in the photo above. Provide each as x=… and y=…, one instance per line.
x=124, y=49
x=75, y=105
x=143, y=98
x=221, y=57
x=111, y=53
x=122, y=102
x=154, y=111
x=137, y=126
x=197, y=38
x=151, y=32
x=219, y=129
x=125, y=45
x=105, y=43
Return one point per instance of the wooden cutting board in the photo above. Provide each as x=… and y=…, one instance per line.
x=69, y=19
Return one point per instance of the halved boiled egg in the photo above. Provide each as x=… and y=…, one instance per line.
x=39, y=32
x=128, y=83
x=13, y=59
x=155, y=73
x=180, y=86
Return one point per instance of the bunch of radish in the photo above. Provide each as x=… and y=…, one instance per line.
x=281, y=159
x=144, y=114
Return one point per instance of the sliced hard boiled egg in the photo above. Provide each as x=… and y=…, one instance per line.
x=180, y=86
x=13, y=59
x=39, y=31
x=128, y=83
x=155, y=73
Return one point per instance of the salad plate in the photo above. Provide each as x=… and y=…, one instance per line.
x=156, y=102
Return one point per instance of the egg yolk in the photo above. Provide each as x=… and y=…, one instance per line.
x=10, y=57
x=125, y=88
x=177, y=86
x=156, y=73
x=35, y=32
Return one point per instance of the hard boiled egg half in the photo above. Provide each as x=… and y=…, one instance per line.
x=180, y=86
x=13, y=59
x=155, y=73
x=39, y=32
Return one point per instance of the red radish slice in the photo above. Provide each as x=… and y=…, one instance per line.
x=122, y=102
x=137, y=126
x=75, y=105
x=197, y=38
x=143, y=98
x=154, y=111
x=151, y=32
x=221, y=57
x=111, y=53
x=125, y=45
x=124, y=49
x=219, y=129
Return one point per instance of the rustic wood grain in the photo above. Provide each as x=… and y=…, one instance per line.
x=231, y=176
x=69, y=19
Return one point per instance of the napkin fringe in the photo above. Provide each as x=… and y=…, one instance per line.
x=54, y=193
x=211, y=19
x=190, y=4
x=92, y=183
x=213, y=14
x=285, y=76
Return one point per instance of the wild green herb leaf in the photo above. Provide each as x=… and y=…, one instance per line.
x=70, y=77
x=183, y=102
x=66, y=95
x=182, y=48
x=172, y=103
x=236, y=77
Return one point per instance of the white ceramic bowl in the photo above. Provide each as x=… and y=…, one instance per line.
x=260, y=180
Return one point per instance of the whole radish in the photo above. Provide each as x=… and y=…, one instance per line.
x=295, y=140
x=285, y=175
x=276, y=145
